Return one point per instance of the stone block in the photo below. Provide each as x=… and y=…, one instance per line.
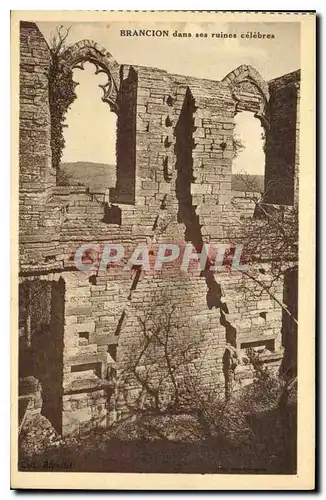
x=264, y=304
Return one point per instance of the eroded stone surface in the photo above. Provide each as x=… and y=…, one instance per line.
x=174, y=165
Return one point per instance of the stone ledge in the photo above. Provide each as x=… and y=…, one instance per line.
x=85, y=381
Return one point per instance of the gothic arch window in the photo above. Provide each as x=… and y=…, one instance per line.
x=120, y=93
x=251, y=96
x=275, y=104
x=249, y=91
x=77, y=115
x=90, y=134
x=88, y=51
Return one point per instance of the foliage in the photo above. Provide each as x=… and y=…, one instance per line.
x=244, y=435
x=271, y=235
x=166, y=364
x=61, y=94
x=63, y=178
x=177, y=422
x=238, y=146
x=159, y=359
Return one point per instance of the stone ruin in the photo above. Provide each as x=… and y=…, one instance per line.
x=174, y=164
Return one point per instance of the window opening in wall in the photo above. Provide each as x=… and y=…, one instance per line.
x=83, y=338
x=248, y=166
x=90, y=134
x=256, y=344
x=95, y=367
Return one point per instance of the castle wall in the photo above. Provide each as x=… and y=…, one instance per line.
x=174, y=165
x=35, y=122
x=282, y=144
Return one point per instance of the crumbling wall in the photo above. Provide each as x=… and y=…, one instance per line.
x=282, y=140
x=35, y=173
x=41, y=341
x=38, y=218
x=174, y=164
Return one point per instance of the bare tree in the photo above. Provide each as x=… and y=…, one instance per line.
x=269, y=236
x=238, y=146
x=163, y=373
x=58, y=42
x=160, y=356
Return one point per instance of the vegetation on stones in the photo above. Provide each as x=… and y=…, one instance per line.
x=64, y=178
x=176, y=421
x=270, y=236
x=61, y=96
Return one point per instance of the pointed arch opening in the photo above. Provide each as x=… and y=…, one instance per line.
x=83, y=106
x=251, y=95
x=89, y=133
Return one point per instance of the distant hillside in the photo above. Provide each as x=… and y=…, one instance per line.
x=100, y=176
x=97, y=176
x=251, y=183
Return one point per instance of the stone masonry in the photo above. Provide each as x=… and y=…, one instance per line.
x=174, y=166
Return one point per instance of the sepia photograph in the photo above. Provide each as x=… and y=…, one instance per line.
x=159, y=200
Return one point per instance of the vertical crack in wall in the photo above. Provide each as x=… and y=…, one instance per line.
x=187, y=213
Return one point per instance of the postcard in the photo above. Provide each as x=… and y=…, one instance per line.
x=163, y=235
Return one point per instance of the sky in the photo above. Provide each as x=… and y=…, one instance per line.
x=91, y=127
x=249, y=131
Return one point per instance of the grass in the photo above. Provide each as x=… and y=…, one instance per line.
x=97, y=176
x=100, y=176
